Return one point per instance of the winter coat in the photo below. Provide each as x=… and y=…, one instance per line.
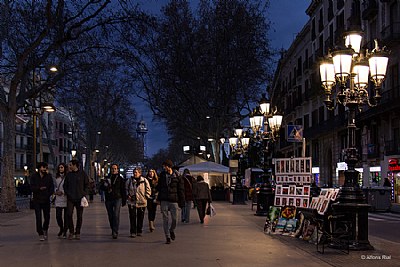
x=76, y=185
x=202, y=191
x=188, y=181
x=138, y=192
x=36, y=182
x=172, y=192
x=114, y=188
x=61, y=200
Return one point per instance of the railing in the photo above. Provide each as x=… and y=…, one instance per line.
x=391, y=32
x=370, y=9
x=392, y=147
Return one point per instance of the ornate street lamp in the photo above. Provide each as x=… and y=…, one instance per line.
x=348, y=71
x=264, y=120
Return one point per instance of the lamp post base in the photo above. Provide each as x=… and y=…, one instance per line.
x=357, y=214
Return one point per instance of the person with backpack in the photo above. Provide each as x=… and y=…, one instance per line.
x=138, y=191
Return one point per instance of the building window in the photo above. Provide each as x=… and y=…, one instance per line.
x=321, y=114
x=306, y=120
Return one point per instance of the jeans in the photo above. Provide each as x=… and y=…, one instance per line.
x=79, y=214
x=113, y=210
x=186, y=211
x=173, y=209
x=39, y=207
x=59, y=217
x=136, y=217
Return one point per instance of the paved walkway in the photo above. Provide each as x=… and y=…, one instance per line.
x=232, y=238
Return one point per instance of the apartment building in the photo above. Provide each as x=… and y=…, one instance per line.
x=297, y=91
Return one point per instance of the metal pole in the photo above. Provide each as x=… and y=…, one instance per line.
x=34, y=141
x=40, y=140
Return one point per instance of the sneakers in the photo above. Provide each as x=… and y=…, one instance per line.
x=60, y=233
x=114, y=236
x=70, y=236
x=41, y=238
x=139, y=234
x=64, y=236
x=172, y=235
x=168, y=241
x=45, y=235
x=133, y=236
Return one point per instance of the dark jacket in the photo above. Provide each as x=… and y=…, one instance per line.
x=36, y=182
x=202, y=191
x=114, y=188
x=76, y=185
x=174, y=192
x=188, y=181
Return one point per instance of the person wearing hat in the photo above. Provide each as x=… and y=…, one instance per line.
x=171, y=195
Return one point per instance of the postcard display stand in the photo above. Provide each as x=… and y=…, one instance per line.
x=293, y=179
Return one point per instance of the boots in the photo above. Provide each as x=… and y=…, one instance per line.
x=151, y=226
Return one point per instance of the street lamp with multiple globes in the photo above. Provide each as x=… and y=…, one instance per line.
x=265, y=123
x=345, y=74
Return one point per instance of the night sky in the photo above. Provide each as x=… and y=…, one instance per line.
x=287, y=17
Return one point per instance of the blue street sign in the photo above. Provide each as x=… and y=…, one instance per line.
x=294, y=133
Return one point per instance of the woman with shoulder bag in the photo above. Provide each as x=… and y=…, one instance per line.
x=61, y=200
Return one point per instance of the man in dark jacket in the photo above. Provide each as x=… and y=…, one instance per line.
x=75, y=187
x=115, y=194
x=171, y=195
x=42, y=187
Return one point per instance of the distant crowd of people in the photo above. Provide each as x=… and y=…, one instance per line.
x=71, y=185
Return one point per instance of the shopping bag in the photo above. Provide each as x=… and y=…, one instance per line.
x=84, y=202
x=212, y=210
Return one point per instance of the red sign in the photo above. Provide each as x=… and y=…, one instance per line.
x=394, y=168
x=393, y=162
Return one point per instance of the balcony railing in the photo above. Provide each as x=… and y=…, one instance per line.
x=392, y=147
x=370, y=9
x=391, y=32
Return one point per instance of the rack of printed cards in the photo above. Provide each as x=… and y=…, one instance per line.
x=292, y=191
x=293, y=179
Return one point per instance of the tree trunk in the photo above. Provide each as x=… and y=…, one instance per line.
x=8, y=193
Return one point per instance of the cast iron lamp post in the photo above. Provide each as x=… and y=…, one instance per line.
x=347, y=71
x=265, y=124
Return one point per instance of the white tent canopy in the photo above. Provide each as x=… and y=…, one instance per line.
x=207, y=166
x=213, y=173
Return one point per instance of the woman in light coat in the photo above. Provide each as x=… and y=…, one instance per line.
x=61, y=200
x=138, y=191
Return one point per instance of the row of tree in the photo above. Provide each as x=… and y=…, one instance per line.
x=199, y=72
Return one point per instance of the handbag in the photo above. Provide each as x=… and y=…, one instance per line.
x=84, y=202
x=208, y=210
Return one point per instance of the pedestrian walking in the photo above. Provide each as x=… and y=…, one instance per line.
x=61, y=200
x=171, y=195
x=188, y=182
x=138, y=190
x=42, y=187
x=76, y=185
x=115, y=197
x=202, y=196
x=152, y=178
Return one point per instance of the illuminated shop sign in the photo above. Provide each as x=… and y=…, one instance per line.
x=394, y=165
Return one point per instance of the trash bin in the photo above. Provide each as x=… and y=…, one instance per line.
x=265, y=199
x=378, y=198
x=239, y=195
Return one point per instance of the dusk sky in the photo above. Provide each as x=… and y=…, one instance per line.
x=287, y=17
